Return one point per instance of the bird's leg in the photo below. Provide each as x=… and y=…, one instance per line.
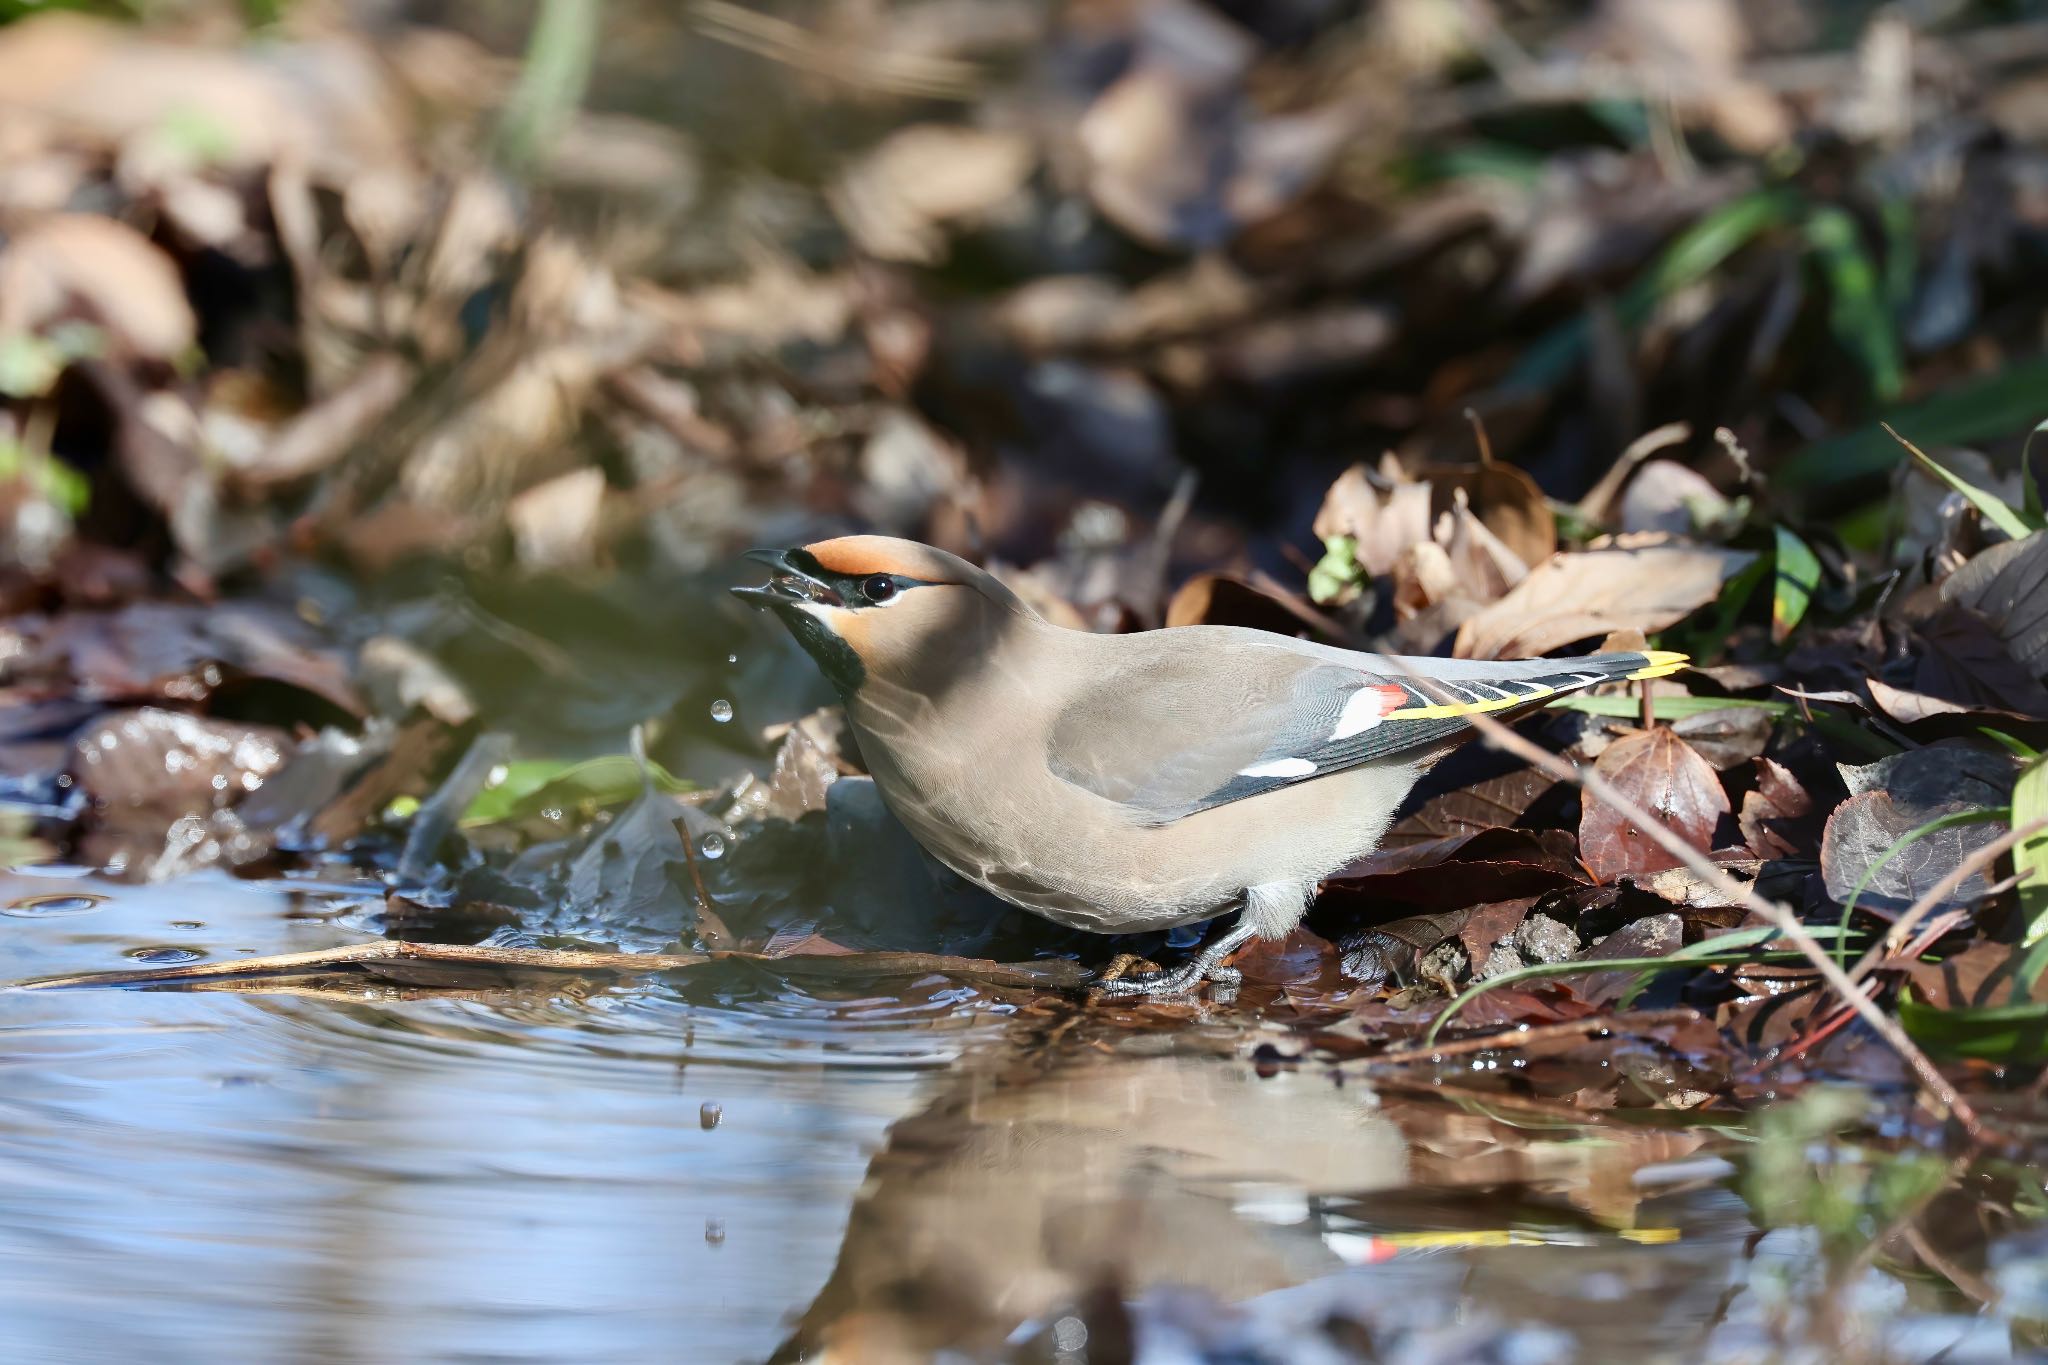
x=1189, y=976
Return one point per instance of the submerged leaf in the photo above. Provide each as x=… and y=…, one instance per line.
x=533, y=785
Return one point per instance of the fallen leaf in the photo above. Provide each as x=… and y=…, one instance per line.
x=1727, y=737
x=1492, y=925
x=632, y=870
x=174, y=763
x=120, y=279
x=1464, y=870
x=1488, y=803
x=1651, y=936
x=1664, y=775
x=2007, y=585
x=1382, y=522
x=1670, y=497
x=1775, y=813
x=153, y=651
x=1506, y=501
x=1890, y=800
x=1584, y=595
x=897, y=199
x=1962, y=659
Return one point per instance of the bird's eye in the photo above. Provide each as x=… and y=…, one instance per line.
x=879, y=588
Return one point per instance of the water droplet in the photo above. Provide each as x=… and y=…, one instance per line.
x=52, y=907
x=721, y=710
x=709, y=1113
x=164, y=956
x=1069, y=1335
x=553, y=813
x=712, y=846
x=498, y=776
x=732, y=658
x=714, y=1231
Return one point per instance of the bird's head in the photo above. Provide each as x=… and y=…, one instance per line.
x=867, y=606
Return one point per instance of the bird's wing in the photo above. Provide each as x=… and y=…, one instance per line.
x=1181, y=733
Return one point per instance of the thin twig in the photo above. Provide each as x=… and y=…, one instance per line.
x=1479, y=435
x=1055, y=972
x=1778, y=916
x=1512, y=1039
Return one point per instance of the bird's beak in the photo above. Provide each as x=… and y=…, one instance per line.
x=786, y=583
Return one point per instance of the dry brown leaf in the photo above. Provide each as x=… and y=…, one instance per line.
x=1582, y=596
x=1385, y=521
x=1769, y=812
x=898, y=197
x=81, y=262
x=1661, y=773
x=1506, y=501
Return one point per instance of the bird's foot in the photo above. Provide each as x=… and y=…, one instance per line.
x=1203, y=968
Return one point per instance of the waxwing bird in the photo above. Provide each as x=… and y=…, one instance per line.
x=1122, y=783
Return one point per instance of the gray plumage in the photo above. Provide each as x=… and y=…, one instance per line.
x=1130, y=782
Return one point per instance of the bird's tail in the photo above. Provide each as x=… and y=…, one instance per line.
x=1526, y=687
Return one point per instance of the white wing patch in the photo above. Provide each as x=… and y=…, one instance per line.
x=1279, y=767
x=1361, y=712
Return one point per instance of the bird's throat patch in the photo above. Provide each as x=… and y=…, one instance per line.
x=834, y=657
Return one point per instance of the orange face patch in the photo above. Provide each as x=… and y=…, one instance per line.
x=859, y=556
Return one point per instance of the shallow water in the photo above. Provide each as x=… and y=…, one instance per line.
x=724, y=1169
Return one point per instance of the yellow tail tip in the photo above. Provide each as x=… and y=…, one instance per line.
x=1663, y=663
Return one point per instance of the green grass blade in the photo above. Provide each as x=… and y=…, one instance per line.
x=1857, y=313
x=1996, y=1033
x=2030, y=858
x=2007, y=401
x=1993, y=509
x=1798, y=577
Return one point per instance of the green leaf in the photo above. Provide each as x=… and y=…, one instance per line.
x=2030, y=858
x=1993, y=509
x=1978, y=410
x=1857, y=313
x=1934, y=826
x=1798, y=576
x=1901, y=250
x=1337, y=573
x=1692, y=256
x=49, y=477
x=2021, y=750
x=561, y=49
x=531, y=786
x=2031, y=486
x=1994, y=1033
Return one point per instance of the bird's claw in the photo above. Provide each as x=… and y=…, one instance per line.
x=1185, y=980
